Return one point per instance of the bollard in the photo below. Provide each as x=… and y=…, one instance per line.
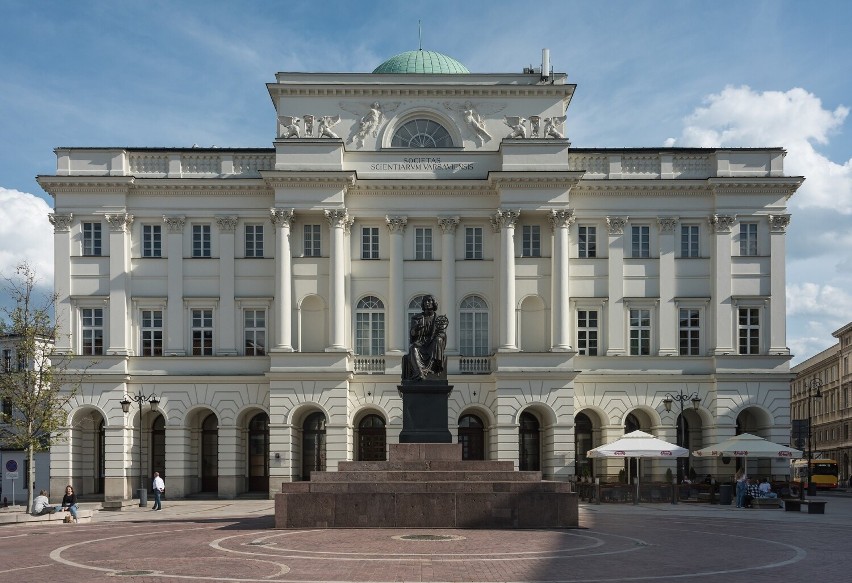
x=674, y=491
x=143, y=497
x=597, y=490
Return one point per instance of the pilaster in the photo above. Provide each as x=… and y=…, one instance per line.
x=615, y=329
x=339, y=221
x=227, y=309
x=721, y=299
x=119, y=283
x=448, y=227
x=174, y=248
x=397, y=309
x=777, y=308
x=560, y=222
x=668, y=310
x=62, y=278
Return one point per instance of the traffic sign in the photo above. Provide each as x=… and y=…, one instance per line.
x=12, y=465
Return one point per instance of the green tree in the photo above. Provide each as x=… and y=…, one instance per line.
x=38, y=384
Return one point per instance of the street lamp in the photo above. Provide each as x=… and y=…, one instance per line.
x=681, y=398
x=813, y=393
x=140, y=398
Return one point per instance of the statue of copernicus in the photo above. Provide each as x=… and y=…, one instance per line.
x=426, y=360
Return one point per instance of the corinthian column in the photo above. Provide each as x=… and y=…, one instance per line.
x=282, y=219
x=504, y=220
x=560, y=222
x=448, y=279
x=339, y=221
x=396, y=311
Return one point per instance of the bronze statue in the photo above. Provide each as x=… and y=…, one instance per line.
x=426, y=360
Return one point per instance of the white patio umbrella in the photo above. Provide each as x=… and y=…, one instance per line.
x=746, y=445
x=638, y=444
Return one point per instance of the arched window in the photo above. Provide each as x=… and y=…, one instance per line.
x=414, y=308
x=582, y=444
x=371, y=438
x=258, y=450
x=529, y=443
x=210, y=454
x=422, y=133
x=473, y=327
x=370, y=326
x=472, y=437
x=158, y=446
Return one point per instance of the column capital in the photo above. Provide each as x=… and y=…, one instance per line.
x=119, y=223
x=227, y=224
x=779, y=223
x=561, y=218
x=722, y=223
x=448, y=224
x=338, y=218
x=175, y=224
x=281, y=217
x=667, y=224
x=615, y=225
x=61, y=222
x=396, y=224
x=504, y=219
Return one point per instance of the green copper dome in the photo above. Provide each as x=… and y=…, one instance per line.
x=421, y=62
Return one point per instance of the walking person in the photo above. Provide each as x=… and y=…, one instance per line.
x=741, y=487
x=159, y=488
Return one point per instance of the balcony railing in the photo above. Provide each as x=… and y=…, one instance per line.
x=369, y=365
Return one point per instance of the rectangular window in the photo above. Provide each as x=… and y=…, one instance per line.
x=473, y=333
x=370, y=333
x=473, y=243
x=254, y=240
x=152, y=241
x=312, y=241
x=641, y=237
x=369, y=242
x=7, y=360
x=202, y=332
x=640, y=332
x=93, y=331
x=201, y=240
x=587, y=332
x=689, y=241
x=748, y=239
x=423, y=243
x=92, y=239
x=588, y=241
x=531, y=241
x=690, y=331
x=7, y=410
x=749, y=330
x=254, y=332
x=152, y=333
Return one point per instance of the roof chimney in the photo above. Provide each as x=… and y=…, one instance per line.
x=545, y=64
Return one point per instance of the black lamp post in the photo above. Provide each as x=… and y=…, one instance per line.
x=681, y=398
x=140, y=398
x=813, y=393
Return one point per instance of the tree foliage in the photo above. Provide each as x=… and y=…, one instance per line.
x=37, y=383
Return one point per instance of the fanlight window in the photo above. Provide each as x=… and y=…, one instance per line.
x=422, y=133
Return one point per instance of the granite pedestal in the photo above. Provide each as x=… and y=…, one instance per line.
x=424, y=412
x=426, y=485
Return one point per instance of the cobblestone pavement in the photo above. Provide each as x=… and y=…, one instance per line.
x=235, y=541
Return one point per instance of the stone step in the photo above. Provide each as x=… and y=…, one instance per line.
x=428, y=465
x=425, y=476
x=425, y=487
x=405, y=452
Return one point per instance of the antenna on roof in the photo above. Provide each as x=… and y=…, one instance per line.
x=420, y=33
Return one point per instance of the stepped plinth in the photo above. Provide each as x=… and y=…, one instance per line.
x=426, y=485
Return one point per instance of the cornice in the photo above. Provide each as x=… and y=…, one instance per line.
x=285, y=179
x=370, y=91
x=85, y=184
x=557, y=179
x=629, y=187
x=787, y=185
x=213, y=187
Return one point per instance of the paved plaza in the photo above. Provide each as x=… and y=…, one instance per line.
x=235, y=541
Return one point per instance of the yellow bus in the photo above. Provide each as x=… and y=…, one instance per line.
x=823, y=473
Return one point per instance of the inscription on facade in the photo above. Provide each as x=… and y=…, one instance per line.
x=421, y=164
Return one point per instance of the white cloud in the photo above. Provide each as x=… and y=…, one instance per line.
x=25, y=234
x=794, y=120
x=817, y=299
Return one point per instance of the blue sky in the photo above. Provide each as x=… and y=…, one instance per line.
x=649, y=73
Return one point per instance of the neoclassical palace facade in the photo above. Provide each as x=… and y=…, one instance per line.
x=262, y=296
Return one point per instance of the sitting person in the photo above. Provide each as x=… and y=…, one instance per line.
x=766, y=489
x=752, y=492
x=69, y=501
x=41, y=505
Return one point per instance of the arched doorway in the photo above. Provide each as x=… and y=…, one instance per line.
x=529, y=443
x=582, y=444
x=472, y=437
x=88, y=451
x=158, y=446
x=372, y=438
x=210, y=454
x=313, y=445
x=101, y=448
x=258, y=450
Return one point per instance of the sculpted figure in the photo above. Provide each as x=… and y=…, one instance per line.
x=535, y=124
x=370, y=121
x=518, y=125
x=425, y=359
x=471, y=113
x=327, y=122
x=551, y=124
x=309, y=125
x=290, y=126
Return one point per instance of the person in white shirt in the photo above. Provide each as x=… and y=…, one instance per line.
x=159, y=488
x=41, y=505
x=766, y=489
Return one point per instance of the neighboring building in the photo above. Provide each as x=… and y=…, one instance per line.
x=263, y=294
x=13, y=485
x=831, y=412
